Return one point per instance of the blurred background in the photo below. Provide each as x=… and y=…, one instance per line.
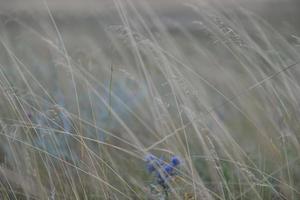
x=88, y=87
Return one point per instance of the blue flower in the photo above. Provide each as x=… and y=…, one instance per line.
x=150, y=157
x=163, y=171
x=175, y=161
x=161, y=180
x=168, y=169
x=150, y=167
x=153, y=163
x=160, y=161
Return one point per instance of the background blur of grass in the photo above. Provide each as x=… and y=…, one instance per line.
x=88, y=88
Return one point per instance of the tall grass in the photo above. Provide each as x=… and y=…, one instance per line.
x=82, y=107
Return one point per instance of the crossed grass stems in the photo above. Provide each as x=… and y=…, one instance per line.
x=141, y=150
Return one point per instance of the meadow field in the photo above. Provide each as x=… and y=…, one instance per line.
x=152, y=100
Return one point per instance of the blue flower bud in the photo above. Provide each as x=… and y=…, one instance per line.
x=175, y=161
x=150, y=167
x=150, y=157
x=168, y=169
